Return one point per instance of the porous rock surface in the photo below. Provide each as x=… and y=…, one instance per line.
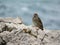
x=16, y=33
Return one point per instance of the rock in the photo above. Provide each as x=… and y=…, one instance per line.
x=15, y=33
x=2, y=42
x=2, y=25
x=11, y=20
x=22, y=39
x=17, y=20
x=9, y=24
x=6, y=20
x=1, y=19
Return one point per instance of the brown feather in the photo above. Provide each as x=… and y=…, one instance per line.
x=37, y=21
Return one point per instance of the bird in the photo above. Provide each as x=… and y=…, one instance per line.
x=37, y=21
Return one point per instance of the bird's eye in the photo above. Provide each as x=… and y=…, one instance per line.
x=35, y=15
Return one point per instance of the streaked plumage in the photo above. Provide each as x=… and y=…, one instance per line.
x=37, y=21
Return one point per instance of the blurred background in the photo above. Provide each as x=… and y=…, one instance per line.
x=48, y=10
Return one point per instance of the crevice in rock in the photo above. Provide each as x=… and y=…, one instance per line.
x=3, y=41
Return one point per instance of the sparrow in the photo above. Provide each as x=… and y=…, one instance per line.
x=37, y=21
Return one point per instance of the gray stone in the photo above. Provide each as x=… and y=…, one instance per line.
x=15, y=33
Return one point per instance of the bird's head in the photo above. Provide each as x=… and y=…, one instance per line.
x=35, y=15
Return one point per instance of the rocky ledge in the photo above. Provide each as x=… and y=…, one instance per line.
x=14, y=32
